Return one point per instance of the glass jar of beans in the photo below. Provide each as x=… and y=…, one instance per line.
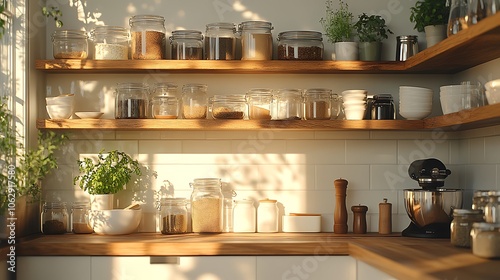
x=300, y=45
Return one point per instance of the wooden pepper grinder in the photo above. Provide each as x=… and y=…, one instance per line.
x=385, y=217
x=340, y=214
x=359, y=223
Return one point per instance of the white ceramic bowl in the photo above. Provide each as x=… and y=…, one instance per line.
x=414, y=89
x=414, y=115
x=493, y=84
x=452, y=104
x=354, y=102
x=356, y=96
x=356, y=113
x=116, y=221
x=64, y=99
x=89, y=115
x=354, y=91
x=492, y=96
x=59, y=111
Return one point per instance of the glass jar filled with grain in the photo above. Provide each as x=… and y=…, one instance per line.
x=80, y=217
x=173, y=215
x=186, y=45
x=131, y=101
x=317, y=104
x=256, y=40
x=300, y=45
x=165, y=107
x=148, y=40
x=288, y=104
x=70, y=44
x=54, y=218
x=461, y=226
x=228, y=107
x=194, y=101
x=110, y=43
x=220, y=41
x=206, y=205
x=259, y=103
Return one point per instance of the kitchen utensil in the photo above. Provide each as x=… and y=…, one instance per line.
x=406, y=46
x=359, y=222
x=340, y=213
x=384, y=217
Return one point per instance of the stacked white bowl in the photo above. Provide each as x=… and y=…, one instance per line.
x=415, y=103
x=354, y=103
x=493, y=91
x=61, y=106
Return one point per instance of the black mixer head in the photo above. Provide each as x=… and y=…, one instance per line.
x=429, y=173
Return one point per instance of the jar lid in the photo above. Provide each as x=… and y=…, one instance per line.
x=147, y=19
x=173, y=200
x=131, y=86
x=318, y=92
x=494, y=193
x=54, y=204
x=207, y=182
x=221, y=26
x=255, y=24
x=228, y=98
x=109, y=29
x=186, y=34
x=486, y=226
x=383, y=97
x=289, y=93
x=481, y=193
x=244, y=201
x=165, y=98
x=407, y=38
x=69, y=34
x=267, y=200
x=300, y=35
x=194, y=87
x=463, y=212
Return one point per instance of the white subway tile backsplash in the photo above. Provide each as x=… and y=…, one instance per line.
x=183, y=135
x=492, y=154
x=412, y=150
x=389, y=135
x=91, y=135
x=477, y=150
x=357, y=176
x=369, y=198
x=481, y=177
x=145, y=134
x=390, y=177
x=342, y=135
x=371, y=151
x=318, y=152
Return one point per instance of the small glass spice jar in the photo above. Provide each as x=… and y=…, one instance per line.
x=228, y=107
x=131, y=101
x=54, y=218
x=300, y=45
x=267, y=215
x=147, y=36
x=382, y=107
x=259, y=103
x=492, y=208
x=165, y=107
x=256, y=40
x=486, y=240
x=173, y=216
x=461, y=226
x=70, y=44
x=220, y=41
x=110, y=43
x=317, y=104
x=186, y=45
x=80, y=217
x=289, y=104
x=206, y=205
x=244, y=216
x=479, y=199
x=194, y=101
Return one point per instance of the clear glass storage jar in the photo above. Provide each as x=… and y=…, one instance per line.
x=486, y=240
x=220, y=41
x=186, y=45
x=479, y=199
x=492, y=208
x=206, y=205
x=259, y=103
x=79, y=216
x=267, y=215
x=256, y=40
x=336, y=106
x=300, y=45
x=173, y=216
x=165, y=107
x=131, y=101
x=228, y=107
x=288, y=104
x=244, y=216
x=194, y=101
x=110, y=43
x=70, y=44
x=461, y=226
x=317, y=104
x=54, y=218
x=147, y=36
x=165, y=89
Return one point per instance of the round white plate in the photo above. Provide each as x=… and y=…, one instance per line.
x=89, y=115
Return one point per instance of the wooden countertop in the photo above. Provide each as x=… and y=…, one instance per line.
x=401, y=257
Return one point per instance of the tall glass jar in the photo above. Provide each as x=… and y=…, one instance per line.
x=173, y=216
x=458, y=17
x=148, y=39
x=317, y=104
x=220, y=41
x=186, y=45
x=267, y=216
x=80, y=217
x=289, y=104
x=194, y=101
x=70, y=44
x=461, y=226
x=228, y=107
x=259, y=103
x=256, y=40
x=244, y=216
x=206, y=205
x=300, y=45
x=54, y=218
x=492, y=208
x=110, y=42
x=131, y=101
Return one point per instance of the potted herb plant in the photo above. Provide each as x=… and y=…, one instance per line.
x=339, y=28
x=371, y=31
x=106, y=176
x=431, y=17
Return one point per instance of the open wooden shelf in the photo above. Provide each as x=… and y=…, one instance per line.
x=470, y=47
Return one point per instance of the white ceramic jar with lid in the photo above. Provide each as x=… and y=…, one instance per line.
x=267, y=215
x=256, y=40
x=110, y=43
x=244, y=216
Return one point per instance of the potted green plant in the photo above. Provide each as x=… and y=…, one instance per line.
x=431, y=17
x=339, y=29
x=106, y=176
x=371, y=31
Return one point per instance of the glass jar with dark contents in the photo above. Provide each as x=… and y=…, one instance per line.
x=228, y=107
x=186, y=45
x=382, y=107
x=173, y=216
x=220, y=41
x=54, y=218
x=131, y=101
x=300, y=45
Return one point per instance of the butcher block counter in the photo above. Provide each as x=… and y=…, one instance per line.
x=401, y=257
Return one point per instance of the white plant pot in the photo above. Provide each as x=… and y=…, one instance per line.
x=434, y=34
x=101, y=201
x=346, y=51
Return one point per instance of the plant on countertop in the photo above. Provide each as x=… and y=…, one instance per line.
x=429, y=12
x=109, y=175
x=371, y=28
x=338, y=23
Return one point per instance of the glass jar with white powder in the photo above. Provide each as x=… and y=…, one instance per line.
x=110, y=43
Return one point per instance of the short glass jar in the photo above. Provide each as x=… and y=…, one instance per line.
x=259, y=103
x=244, y=216
x=54, y=218
x=289, y=104
x=165, y=107
x=70, y=44
x=267, y=215
x=80, y=222
x=256, y=40
x=317, y=104
x=186, y=45
x=131, y=101
x=110, y=43
x=486, y=240
x=173, y=216
x=194, y=101
x=206, y=205
x=461, y=226
x=147, y=36
x=220, y=41
x=165, y=89
x=492, y=208
x=479, y=199
x=228, y=107
x=300, y=45
x=382, y=107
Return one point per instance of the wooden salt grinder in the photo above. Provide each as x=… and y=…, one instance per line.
x=359, y=223
x=385, y=217
x=340, y=214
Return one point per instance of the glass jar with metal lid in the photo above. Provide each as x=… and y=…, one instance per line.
x=186, y=45
x=148, y=40
x=70, y=44
x=259, y=103
x=110, y=42
x=317, y=104
x=206, y=205
x=131, y=101
x=80, y=217
x=461, y=226
x=220, y=41
x=300, y=45
x=480, y=199
x=289, y=104
x=54, y=218
x=256, y=40
x=492, y=208
x=194, y=101
x=228, y=107
x=173, y=215
x=486, y=240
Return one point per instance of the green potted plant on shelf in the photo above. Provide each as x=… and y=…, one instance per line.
x=371, y=31
x=106, y=176
x=431, y=17
x=339, y=29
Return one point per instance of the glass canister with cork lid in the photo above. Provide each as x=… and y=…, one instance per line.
x=256, y=40
x=220, y=41
x=173, y=216
x=206, y=205
x=186, y=45
x=131, y=101
x=148, y=40
x=110, y=43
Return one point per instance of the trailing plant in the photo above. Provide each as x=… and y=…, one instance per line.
x=49, y=12
x=109, y=175
x=429, y=12
x=338, y=23
x=371, y=28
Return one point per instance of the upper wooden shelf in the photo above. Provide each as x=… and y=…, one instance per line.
x=470, y=47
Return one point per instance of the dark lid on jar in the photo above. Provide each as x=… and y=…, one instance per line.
x=300, y=35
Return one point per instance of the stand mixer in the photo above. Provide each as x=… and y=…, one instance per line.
x=430, y=208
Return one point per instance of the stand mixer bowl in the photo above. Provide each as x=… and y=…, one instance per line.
x=426, y=207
